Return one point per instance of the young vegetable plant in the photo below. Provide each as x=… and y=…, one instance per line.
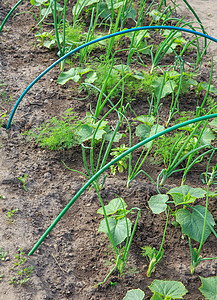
x=118, y=228
x=10, y=215
x=167, y=290
x=197, y=225
x=23, y=181
x=154, y=256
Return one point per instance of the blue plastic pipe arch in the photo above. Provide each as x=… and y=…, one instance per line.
x=95, y=41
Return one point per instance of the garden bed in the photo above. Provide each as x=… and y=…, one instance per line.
x=75, y=256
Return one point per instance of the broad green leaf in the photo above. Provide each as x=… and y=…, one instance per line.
x=144, y=131
x=209, y=287
x=156, y=15
x=134, y=295
x=168, y=289
x=104, y=12
x=118, y=229
x=48, y=11
x=49, y=44
x=192, y=81
x=108, y=136
x=205, y=86
x=156, y=296
x=157, y=203
x=91, y=77
x=88, y=2
x=148, y=120
x=214, y=124
x=138, y=75
x=154, y=130
x=212, y=194
x=186, y=194
x=172, y=74
x=115, y=3
x=131, y=14
x=121, y=67
x=168, y=87
x=138, y=37
x=113, y=206
x=192, y=223
x=71, y=74
x=207, y=137
x=86, y=133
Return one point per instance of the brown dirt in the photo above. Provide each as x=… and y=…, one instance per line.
x=72, y=259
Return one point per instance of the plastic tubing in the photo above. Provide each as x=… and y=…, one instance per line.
x=88, y=183
x=95, y=41
x=8, y=15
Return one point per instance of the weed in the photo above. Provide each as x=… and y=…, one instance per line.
x=20, y=259
x=23, y=181
x=22, y=277
x=10, y=215
x=3, y=114
x=56, y=134
x=3, y=254
x=113, y=284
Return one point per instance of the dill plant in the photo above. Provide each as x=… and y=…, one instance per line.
x=56, y=133
x=164, y=148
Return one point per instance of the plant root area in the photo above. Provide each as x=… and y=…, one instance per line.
x=75, y=256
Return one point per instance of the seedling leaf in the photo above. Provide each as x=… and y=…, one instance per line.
x=156, y=296
x=185, y=194
x=73, y=74
x=204, y=86
x=157, y=203
x=118, y=229
x=136, y=294
x=207, y=137
x=192, y=224
x=149, y=120
x=209, y=287
x=86, y=133
x=144, y=131
x=168, y=289
x=114, y=206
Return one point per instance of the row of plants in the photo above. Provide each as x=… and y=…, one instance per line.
x=116, y=86
x=165, y=289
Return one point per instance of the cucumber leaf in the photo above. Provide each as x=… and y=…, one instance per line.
x=168, y=289
x=209, y=287
x=192, y=223
x=114, y=206
x=136, y=294
x=157, y=203
x=185, y=194
x=118, y=229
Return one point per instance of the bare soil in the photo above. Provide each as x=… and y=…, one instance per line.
x=74, y=257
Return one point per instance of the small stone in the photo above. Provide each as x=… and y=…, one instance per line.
x=47, y=175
